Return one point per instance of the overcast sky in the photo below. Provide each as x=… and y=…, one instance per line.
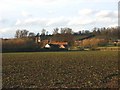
x=34, y=15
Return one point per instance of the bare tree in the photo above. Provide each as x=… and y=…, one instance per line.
x=18, y=33
x=31, y=34
x=69, y=30
x=66, y=30
x=55, y=31
x=63, y=31
x=47, y=32
x=24, y=33
x=43, y=31
x=21, y=33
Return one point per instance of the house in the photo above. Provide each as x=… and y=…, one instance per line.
x=53, y=45
x=37, y=38
x=47, y=46
x=50, y=44
x=117, y=42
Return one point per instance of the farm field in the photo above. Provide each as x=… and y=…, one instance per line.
x=85, y=69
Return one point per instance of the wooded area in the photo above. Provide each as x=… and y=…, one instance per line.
x=26, y=41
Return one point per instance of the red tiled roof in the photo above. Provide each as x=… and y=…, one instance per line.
x=59, y=43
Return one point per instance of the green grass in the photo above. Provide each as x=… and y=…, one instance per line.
x=89, y=69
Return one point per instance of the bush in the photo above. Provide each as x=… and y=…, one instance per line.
x=21, y=44
x=93, y=43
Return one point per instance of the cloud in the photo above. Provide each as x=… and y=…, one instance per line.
x=113, y=25
x=3, y=20
x=106, y=13
x=87, y=17
x=31, y=21
x=104, y=20
x=115, y=13
x=80, y=21
x=98, y=1
x=18, y=22
x=59, y=21
x=4, y=30
x=0, y=19
x=26, y=14
x=86, y=12
x=51, y=12
x=13, y=4
x=56, y=13
x=74, y=0
x=98, y=13
x=43, y=21
x=39, y=0
x=92, y=16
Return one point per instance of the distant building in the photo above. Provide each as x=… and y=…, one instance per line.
x=50, y=44
x=47, y=46
x=37, y=38
x=56, y=45
x=117, y=42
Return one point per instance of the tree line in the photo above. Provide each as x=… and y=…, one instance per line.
x=25, y=40
x=107, y=33
x=25, y=33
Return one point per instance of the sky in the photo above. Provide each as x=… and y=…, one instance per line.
x=34, y=15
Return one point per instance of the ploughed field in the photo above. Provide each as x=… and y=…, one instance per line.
x=85, y=69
